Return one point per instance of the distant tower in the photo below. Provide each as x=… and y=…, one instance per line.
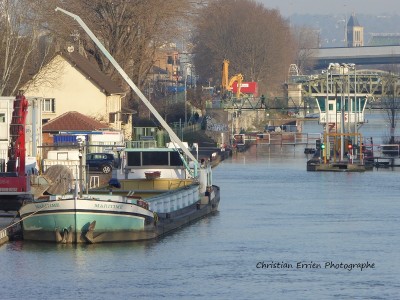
x=355, y=33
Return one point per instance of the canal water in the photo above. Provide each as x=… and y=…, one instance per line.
x=376, y=126
x=281, y=233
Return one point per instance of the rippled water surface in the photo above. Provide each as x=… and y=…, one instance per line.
x=272, y=211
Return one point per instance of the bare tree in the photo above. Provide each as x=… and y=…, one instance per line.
x=131, y=30
x=27, y=44
x=18, y=42
x=198, y=97
x=306, y=39
x=257, y=42
x=391, y=102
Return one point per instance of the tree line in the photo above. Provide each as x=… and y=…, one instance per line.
x=258, y=41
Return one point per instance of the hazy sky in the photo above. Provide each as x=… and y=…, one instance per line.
x=375, y=7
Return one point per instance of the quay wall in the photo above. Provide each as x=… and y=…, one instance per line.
x=3, y=236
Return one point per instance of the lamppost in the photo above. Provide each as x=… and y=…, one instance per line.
x=327, y=115
x=358, y=105
x=354, y=104
x=350, y=105
x=81, y=142
x=342, y=100
x=185, y=101
x=343, y=69
x=185, y=73
x=154, y=77
x=326, y=142
x=149, y=97
x=347, y=67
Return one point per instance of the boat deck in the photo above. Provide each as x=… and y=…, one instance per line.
x=145, y=187
x=154, y=184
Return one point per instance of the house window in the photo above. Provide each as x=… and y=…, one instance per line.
x=112, y=117
x=125, y=119
x=170, y=60
x=49, y=105
x=2, y=117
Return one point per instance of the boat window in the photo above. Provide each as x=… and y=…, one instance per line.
x=175, y=159
x=134, y=159
x=155, y=158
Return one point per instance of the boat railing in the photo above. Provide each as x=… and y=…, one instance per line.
x=141, y=144
x=286, y=138
x=390, y=149
x=173, y=200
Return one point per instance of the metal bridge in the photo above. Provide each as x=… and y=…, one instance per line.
x=337, y=80
x=368, y=84
x=254, y=103
x=371, y=84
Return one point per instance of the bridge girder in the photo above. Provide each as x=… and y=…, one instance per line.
x=366, y=83
x=257, y=103
x=371, y=84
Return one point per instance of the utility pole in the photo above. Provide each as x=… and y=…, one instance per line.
x=185, y=101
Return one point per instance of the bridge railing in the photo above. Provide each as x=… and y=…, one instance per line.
x=389, y=150
x=284, y=138
x=253, y=103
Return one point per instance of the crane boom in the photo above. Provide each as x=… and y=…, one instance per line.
x=16, y=149
x=14, y=183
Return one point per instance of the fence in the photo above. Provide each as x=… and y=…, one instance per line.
x=390, y=149
x=181, y=130
x=284, y=138
x=3, y=236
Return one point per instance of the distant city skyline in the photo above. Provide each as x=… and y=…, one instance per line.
x=373, y=7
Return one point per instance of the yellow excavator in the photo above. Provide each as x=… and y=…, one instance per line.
x=228, y=83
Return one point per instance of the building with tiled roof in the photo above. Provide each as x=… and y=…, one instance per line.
x=102, y=81
x=72, y=124
x=69, y=82
x=73, y=121
x=69, y=122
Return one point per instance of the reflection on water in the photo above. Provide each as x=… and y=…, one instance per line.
x=376, y=126
x=272, y=210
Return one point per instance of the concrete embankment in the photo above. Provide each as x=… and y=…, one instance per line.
x=207, y=147
x=7, y=232
x=3, y=232
x=212, y=154
x=3, y=237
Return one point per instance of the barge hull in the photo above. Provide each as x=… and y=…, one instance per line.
x=161, y=225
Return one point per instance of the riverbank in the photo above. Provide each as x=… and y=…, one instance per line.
x=5, y=220
x=200, y=137
x=208, y=148
x=3, y=237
